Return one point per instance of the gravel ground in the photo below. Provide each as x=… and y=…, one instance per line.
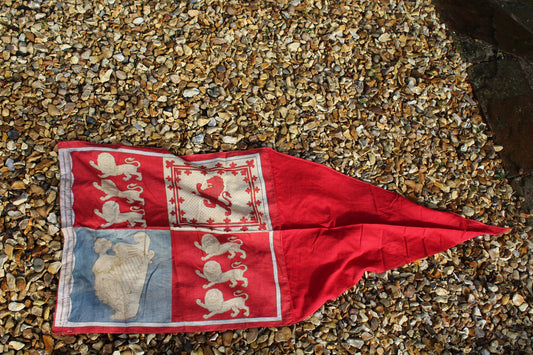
x=373, y=89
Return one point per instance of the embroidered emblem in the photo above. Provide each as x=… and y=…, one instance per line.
x=214, y=190
x=119, y=279
x=212, y=247
x=133, y=194
x=214, y=302
x=108, y=167
x=213, y=273
x=219, y=195
x=112, y=215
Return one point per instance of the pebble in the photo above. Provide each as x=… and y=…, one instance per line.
x=53, y=110
x=518, y=299
x=191, y=92
x=120, y=57
x=15, y=306
x=293, y=47
x=17, y=345
x=106, y=76
x=468, y=211
x=284, y=334
x=13, y=134
x=38, y=265
x=54, y=267
x=10, y=164
x=251, y=335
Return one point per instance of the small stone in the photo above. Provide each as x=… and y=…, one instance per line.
x=284, y=334
x=138, y=21
x=203, y=121
x=366, y=336
x=38, y=265
x=356, y=343
x=191, y=92
x=518, y=299
x=384, y=37
x=468, y=211
x=21, y=199
x=53, y=110
x=121, y=75
x=213, y=92
x=90, y=120
x=48, y=344
x=227, y=338
x=54, y=267
x=10, y=164
x=119, y=57
x=319, y=349
x=230, y=139
x=51, y=198
x=105, y=76
x=18, y=185
x=198, y=139
x=293, y=47
x=16, y=306
x=17, y=345
x=175, y=78
x=251, y=335
x=13, y=134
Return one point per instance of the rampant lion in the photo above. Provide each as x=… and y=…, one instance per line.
x=111, y=213
x=108, y=167
x=215, y=304
x=111, y=190
x=213, y=273
x=212, y=247
x=211, y=194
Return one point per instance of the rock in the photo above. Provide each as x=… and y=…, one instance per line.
x=18, y=185
x=119, y=57
x=230, y=140
x=175, y=78
x=38, y=265
x=385, y=37
x=284, y=334
x=518, y=299
x=54, y=267
x=293, y=47
x=105, y=76
x=227, y=338
x=53, y=110
x=10, y=164
x=17, y=345
x=251, y=335
x=191, y=92
x=15, y=306
x=468, y=211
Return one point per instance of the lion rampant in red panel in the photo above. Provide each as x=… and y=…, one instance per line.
x=213, y=193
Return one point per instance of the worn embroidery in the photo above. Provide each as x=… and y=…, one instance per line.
x=120, y=278
x=214, y=302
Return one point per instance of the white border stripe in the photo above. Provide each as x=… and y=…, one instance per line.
x=263, y=185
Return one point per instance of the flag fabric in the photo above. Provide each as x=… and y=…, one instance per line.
x=159, y=243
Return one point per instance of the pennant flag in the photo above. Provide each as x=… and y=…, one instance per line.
x=160, y=243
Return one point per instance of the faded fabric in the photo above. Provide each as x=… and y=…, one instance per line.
x=160, y=243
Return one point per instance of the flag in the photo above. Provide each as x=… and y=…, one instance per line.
x=159, y=243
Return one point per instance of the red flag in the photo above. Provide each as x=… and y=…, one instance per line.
x=160, y=243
